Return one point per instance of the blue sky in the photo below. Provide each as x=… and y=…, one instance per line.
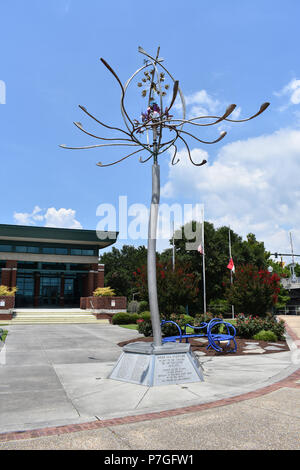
x=222, y=52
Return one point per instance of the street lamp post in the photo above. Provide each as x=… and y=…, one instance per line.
x=147, y=135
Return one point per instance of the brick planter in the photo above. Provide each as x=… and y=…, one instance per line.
x=104, y=307
x=7, y=304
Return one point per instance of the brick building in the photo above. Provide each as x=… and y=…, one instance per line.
x=51, y=266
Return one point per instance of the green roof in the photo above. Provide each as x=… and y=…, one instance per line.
x=15, y=232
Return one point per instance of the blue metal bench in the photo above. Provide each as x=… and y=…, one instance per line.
x=214, y=339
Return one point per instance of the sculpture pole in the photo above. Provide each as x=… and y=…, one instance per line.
x=151, y=257
x=167, y=131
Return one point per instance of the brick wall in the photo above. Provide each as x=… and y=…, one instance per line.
x=9, y=302
x=101, y=303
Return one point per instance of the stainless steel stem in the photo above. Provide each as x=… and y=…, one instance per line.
x=151, y=264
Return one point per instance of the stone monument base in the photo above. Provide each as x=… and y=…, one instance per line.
x=145, y=364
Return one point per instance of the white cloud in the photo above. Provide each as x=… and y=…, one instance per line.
x=51, y=217
x=201, y=103
x=252, y=185
x=292, y=91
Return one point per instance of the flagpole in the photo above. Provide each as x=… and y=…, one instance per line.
x=173, y=252
x=231, y=277
x=203, y=264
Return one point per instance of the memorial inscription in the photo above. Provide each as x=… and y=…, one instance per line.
x=173, y=368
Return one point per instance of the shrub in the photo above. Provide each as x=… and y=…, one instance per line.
x=145, y=328
x=143, y=306
x=219, y=307
x=145, y=315
x=103, y=292
x=247, y=327
x=7, y=291
x=123, y=318
x=265, y=335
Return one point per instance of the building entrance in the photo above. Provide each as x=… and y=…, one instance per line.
x=50, y=291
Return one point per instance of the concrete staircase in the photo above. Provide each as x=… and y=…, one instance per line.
x=63, y=315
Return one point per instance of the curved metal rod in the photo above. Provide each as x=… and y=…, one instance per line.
x=122, y=88
x=125, y=89
x=174, y=157
x=175, y=91
x=222, y=135
x=96, y=146
x=102, y=123
x=155, y=70
x=79, y=125
x=189, y=153
x=219, y=119
x=142, y=51
x=146, y=159
x=118, y=161
x=263, y=107
x=169, y=143
x=229, y=110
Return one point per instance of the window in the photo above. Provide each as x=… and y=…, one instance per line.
x=82, y=252
x=5, y=248
x=88, y=252
x=33, y=249
x=27, y=249
x=25, y=286
x=61, y=251
x=75, y=251
x=48, y=251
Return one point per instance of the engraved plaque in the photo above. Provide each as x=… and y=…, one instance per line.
x=157, y=369
x=174, y=369
x=132, y=368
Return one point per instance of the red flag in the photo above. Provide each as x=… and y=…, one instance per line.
x=200, y=249
x=231, y=265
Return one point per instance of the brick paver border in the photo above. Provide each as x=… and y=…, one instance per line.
x=292, y=381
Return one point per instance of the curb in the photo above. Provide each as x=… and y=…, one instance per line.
x=292, y=381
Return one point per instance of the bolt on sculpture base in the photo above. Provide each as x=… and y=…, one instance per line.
x=149, y=365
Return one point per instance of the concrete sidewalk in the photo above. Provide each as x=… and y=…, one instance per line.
x=57, y=377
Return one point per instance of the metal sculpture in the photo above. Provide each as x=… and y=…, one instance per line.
x=147, y=134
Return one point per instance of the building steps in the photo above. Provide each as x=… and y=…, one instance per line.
x=38, y=316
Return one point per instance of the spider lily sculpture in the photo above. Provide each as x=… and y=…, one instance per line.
x=148, y=134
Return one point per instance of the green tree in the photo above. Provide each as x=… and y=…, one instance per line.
x=119, y=268
x=176, y=288
x=248, y=251
x=254, y=291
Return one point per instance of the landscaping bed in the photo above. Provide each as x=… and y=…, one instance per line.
x=245, y=347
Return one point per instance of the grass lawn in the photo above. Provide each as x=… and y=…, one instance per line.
x=130, y=326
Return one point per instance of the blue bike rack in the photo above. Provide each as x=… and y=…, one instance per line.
x=214, y=339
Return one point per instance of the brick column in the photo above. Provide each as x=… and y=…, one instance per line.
x=90, y=283
x=99, y=277
x=5, y=277
x=9, y=274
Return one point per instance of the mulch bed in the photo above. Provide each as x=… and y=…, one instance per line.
x=241, y=344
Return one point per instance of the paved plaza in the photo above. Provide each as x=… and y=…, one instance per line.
x=54, y=382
